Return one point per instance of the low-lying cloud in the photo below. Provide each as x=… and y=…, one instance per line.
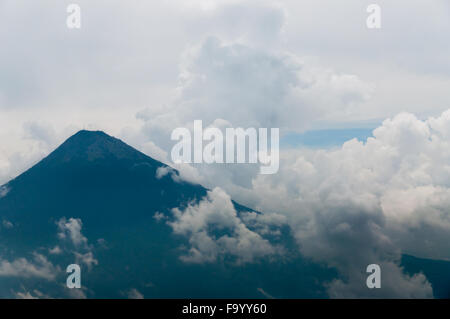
x=38, y=267
x=202, y=224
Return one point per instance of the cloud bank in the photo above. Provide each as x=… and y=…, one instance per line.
x=204, y=223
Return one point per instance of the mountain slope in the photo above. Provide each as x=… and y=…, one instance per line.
x=98, y=186
x=93, y=177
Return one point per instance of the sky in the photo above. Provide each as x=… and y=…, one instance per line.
x=126, y=61
x=311, y=68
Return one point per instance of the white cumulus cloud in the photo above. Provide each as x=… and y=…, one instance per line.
x=201, y=223
x=39, y=267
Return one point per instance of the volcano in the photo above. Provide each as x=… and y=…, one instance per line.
x=100, y=203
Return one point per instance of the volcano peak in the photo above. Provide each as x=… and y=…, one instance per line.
x=94, y=145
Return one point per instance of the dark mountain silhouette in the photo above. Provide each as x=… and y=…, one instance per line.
x=97, y=178
x=115, y=191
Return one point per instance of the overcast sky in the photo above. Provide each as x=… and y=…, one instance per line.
x=126, y=58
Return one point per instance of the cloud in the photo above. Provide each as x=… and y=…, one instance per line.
x=35, y=294
x=234, y=84
x=159, y=216
x=390, y=191
x=87, y=259
x=264, y=224
x=368, y=202
x=76, y=293
x=41, y=132
x=7, y=224
x=265, y=294
x=274, y=68
x=24, y=143
x=40, y=267
x=348, y=237
x=71, y=229
x=362, y=203
x=167, y=170
x=25, y=295
x=152, y=150
x=55, y=250
x=4, y=190
x=134, y=294
x=251, y=57
x=394, y=284
x=202, y=224
x=252, y=87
